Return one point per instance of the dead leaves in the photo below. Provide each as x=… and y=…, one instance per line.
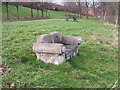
x=11, y=85
x=4, y=69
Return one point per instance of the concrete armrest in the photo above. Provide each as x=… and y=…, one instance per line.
x=49, y=48
x=71, y=40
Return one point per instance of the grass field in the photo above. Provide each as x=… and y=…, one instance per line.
x=25, y=12
x=95, y=66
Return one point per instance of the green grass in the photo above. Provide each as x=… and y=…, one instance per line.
x=25, y=12
x=94, y=67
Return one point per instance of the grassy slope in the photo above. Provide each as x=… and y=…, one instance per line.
x=26, y=12
x=95, y=66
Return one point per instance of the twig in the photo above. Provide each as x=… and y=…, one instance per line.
x=115, y=84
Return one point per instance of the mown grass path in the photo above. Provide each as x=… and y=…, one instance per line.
x=95, y=65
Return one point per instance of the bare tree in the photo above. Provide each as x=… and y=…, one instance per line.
x=80, y=10
x=86, y=3
x=16, y=4
x=37, y=4
x=72, y=7
x=46, y=7
x=119, y=14
x=103, y=5
x=17, y=11
x=116, y=13
x=103, y=11
x=7, y=13
x=29, y=5
x=41, y=7
x=31, y=10
x=110, y=12
x=94, y=8
x=69, y=7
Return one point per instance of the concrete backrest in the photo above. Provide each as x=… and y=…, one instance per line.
x=45, y=38
x=71, y=40
x=56, y=37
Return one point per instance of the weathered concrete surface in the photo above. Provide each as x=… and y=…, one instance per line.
x=71, y=40
x=45, y=38
x=56, y=48
x=51, y=58
x=56, y=37
x=48, y=48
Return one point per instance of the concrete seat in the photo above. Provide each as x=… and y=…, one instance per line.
x=56, y=48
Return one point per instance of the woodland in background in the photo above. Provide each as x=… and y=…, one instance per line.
x=107, y=11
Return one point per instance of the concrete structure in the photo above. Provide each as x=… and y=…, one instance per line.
x=56, y=48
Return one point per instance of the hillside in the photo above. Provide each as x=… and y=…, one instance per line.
x=25, y=12
x=96, y=65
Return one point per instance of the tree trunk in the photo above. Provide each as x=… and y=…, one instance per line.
x=116, y=14
x=46, y=9
x=79, y=9
x=104, y=16
x=46, y=12
x=7, y=13
x=42, y=13
x=94, y=8
x=118, y=27
x=86, y=9
x=31, y=13
x=17, y=12
x=119, y=14
x=116, y=21
x=104, y=11
x=37, y=12
x=66, y=12
x=80, y=14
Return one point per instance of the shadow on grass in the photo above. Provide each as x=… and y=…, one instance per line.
x=85, y=56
